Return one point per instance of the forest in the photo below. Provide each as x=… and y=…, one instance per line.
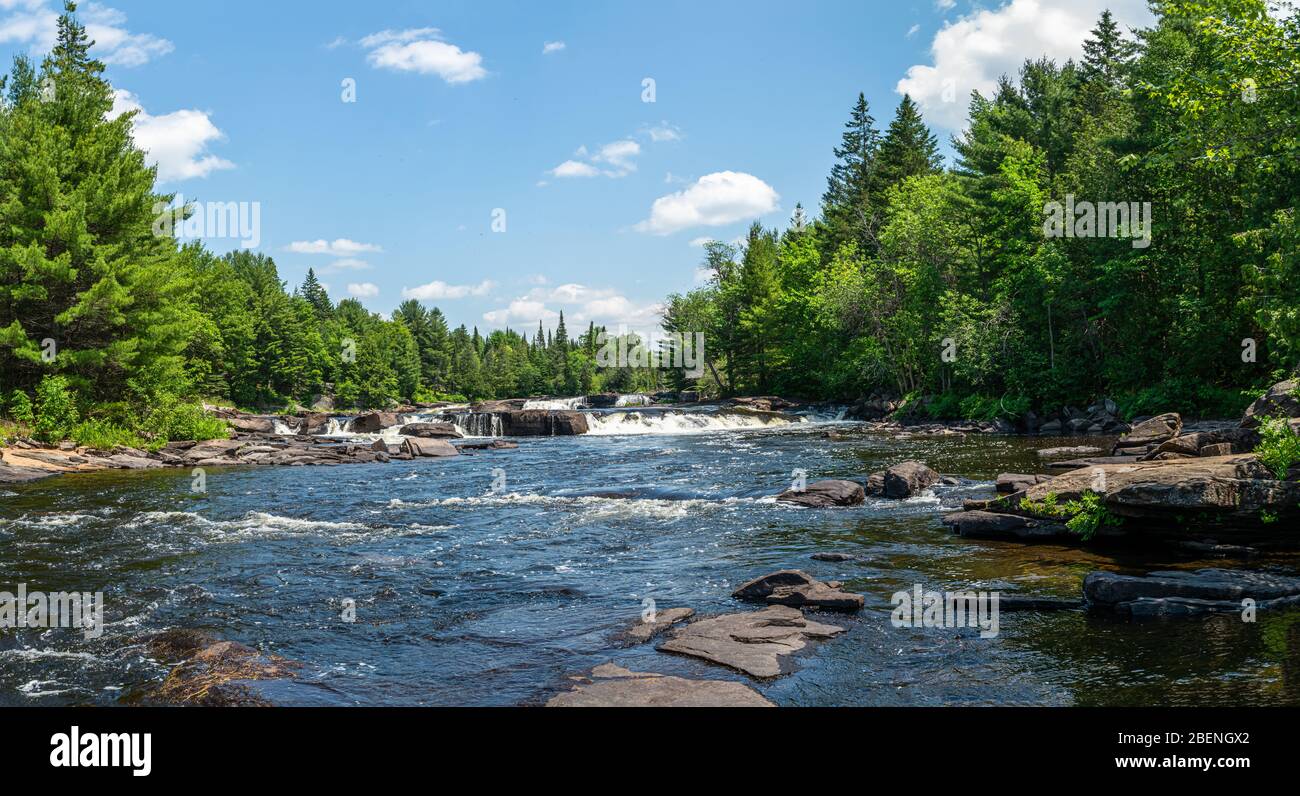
x=938, y=284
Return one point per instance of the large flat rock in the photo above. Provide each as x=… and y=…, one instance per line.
x=752, y=642
x=613, y=686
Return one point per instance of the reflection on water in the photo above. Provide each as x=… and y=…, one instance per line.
x=465, y=596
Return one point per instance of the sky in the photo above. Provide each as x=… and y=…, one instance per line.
x=507, y=161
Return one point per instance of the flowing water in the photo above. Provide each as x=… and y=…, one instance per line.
x=465, y=596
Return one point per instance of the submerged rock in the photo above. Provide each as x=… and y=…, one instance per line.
x=1113, y=590
x=752, y=642
x=613, y=686
x=821, y=494
x=833, y=557
x=796, y=588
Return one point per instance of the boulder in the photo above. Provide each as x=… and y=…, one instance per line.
x=797, y=588
x=603, y=400
x=417, y=446
x=374, y=422
x=821, y=494
x=1153, y=431
x=252, y=425
x=979, y=524
x=908, y=478
x=612, y=686
x=1181, y=592
x=1010, y=483
x=645, y=629
x=752, y=642
x=431, y=430
x=543, y=423
x=313, y=423
x=1280, y=400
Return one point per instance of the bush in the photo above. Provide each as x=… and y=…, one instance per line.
x=170, y=419
x=1188, y=397
x=56, y=411
x=1279, y=446
x=103, y=435
x=20, y=408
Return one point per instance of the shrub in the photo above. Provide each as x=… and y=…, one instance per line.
x=1279, y=446
x=170, y=419
x=103, y=435
x=56, y=411
x=20, y=408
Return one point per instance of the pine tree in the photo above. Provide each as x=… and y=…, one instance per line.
x=849, y=209
x=1106, y=54
x=315, y=293
x=909, y=149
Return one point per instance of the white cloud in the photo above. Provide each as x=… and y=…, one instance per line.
x=575, y=168
x=944, y=5
x=581, y=305
x=437, y=289
x=35, y=23
x=339, y=247
x=664, y=132
x=422, y=50
x=552, y=47
x=723, y=197
x=363, y=289
x=615, y=159
x=347, y=264
x=971, y=53
x=176, y=142
x=912, y=31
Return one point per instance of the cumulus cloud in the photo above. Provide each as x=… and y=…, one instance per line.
x=177, y=142
x=437, y=290
x=35, y=23
x=363, y=289
x=339, y=247
x=615, y=159
x=723, y=197
x=422, y=50
x=581, y=304
x=347, y=264
x=575, y=168
x=972, y=52
x=552, y=47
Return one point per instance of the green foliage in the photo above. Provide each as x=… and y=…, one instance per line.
x=103, y=435
x=1088, y=515
x=56, y=409
x=20, y=408
x=171, y=419
x=1279, y=446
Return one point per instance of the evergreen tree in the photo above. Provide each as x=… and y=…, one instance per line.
x=849, y=208
x=909, y=149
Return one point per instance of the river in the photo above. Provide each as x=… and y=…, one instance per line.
x=491, y=579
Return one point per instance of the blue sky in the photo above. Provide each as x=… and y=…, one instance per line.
x=466, y=109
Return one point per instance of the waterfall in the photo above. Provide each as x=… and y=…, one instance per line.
x=634, y=399
x=474, y=424
x=282, y=429
x=672, y=422
x=556, y=403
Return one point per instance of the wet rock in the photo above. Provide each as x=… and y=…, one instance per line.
x=431, y=430
x=374, y=422
x=642, y=631
x=1280, y=400
x=126, y=462
x=1019, y=602
x=832, y=557
x=429, y=447
x=613, y=686
x=313, y=423
x=214, y=673
x=1113, y=591
x=496, y=444
x=543, y=423
x=1010, y=483
x=908, y=478
x=1070, y=451
x=10, y=474
x=821, y=494
x=752, y=642
x=978, y=524
x=603, y=400
x=796, y=588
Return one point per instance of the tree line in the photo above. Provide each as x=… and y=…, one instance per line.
x=944, y=287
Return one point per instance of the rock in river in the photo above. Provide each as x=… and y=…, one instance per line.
x=645, y=629
x=417, y=446
x=903, y=480
x=430, y=430
x=1182, y=592
x=613, y=686
x=797, y=588
x=821, y=494
x=750, y=642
